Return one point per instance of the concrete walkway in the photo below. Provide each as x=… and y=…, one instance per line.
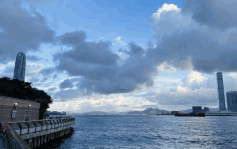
x=1, y=143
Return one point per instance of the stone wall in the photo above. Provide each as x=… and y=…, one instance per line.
x=22, y=107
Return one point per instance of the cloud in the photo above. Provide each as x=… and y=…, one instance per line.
x=120, y=41
x=182, y=41
x=164, y=9
x=66, y=84
x=97, y=65
x=21, y=30
x=194, y=80
x=187, y=97
x=47, y=71
x=186, y=40
x=214, y=13
x=98, y=102
x=32, y=58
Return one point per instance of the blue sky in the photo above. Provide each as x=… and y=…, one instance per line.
x=104, y=19
x=110, y=55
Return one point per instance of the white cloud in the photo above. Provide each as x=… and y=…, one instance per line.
x=166, y=68
x=198, y=90
x=108, y=103
x=194, y=77
x=120, y=41
x=165, y=8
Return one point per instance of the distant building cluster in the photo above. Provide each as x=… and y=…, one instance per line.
x=20, y=66
x=199, y=109
x=231, y=96
x=232, y=101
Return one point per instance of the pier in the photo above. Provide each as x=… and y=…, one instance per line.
x=33, y=134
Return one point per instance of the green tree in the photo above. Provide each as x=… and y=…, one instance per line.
x=23, y=90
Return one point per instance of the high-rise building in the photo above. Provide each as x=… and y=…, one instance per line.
x=20, y=65
x=232, y=101
x=197, y=109
x=206, y=109
x=221, y=93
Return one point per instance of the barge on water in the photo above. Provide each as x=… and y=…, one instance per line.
x=191, y=114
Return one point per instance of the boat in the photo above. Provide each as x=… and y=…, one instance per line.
x=191, y=114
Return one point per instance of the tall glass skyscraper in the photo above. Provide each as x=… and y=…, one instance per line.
x=221, y=93
x=20, y=65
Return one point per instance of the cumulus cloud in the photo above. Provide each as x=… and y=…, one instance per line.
x=194, y=80
x=21, y=30
x=164, y=9
x=97, y=65
x=183, y=41
x=197, y=37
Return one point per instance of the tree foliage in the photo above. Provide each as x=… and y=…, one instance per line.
x=23, y=90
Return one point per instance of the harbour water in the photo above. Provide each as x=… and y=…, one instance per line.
x=151, y=131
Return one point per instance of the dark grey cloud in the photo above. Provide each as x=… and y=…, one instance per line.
x=33, y=58
x=66, y=84
x=216, y=13
x=205, y=53
x=97, y=65
x=94, y=60
x=47, y=71
x=21, y=30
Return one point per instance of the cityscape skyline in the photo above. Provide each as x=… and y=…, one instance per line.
x=121, y=55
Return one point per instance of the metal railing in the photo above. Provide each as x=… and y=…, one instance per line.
x=27, y=127
x=14, y=141
x=15, y=131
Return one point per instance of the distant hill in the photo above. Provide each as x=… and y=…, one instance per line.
x=148, y=111
x=95, y=113
x=103, y=113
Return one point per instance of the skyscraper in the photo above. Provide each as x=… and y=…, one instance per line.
x=232, y=101
x=221, y=93
x=20, y=64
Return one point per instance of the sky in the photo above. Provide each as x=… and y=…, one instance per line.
x=117, y=56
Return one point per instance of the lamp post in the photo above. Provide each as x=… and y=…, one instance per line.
x=14, y=105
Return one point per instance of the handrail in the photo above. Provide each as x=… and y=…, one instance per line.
x=16, y=130
x=40, y=125
x=14, y=141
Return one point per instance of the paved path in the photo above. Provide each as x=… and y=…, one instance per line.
x=1, y=143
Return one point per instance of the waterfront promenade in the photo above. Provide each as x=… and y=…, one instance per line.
x=1, y=142
x=33, y=134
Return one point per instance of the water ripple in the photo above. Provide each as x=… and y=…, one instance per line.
x=102, y=132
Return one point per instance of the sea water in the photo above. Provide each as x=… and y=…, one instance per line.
x=151, y=131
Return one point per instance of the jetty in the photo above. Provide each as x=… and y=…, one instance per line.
x=34, y=134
